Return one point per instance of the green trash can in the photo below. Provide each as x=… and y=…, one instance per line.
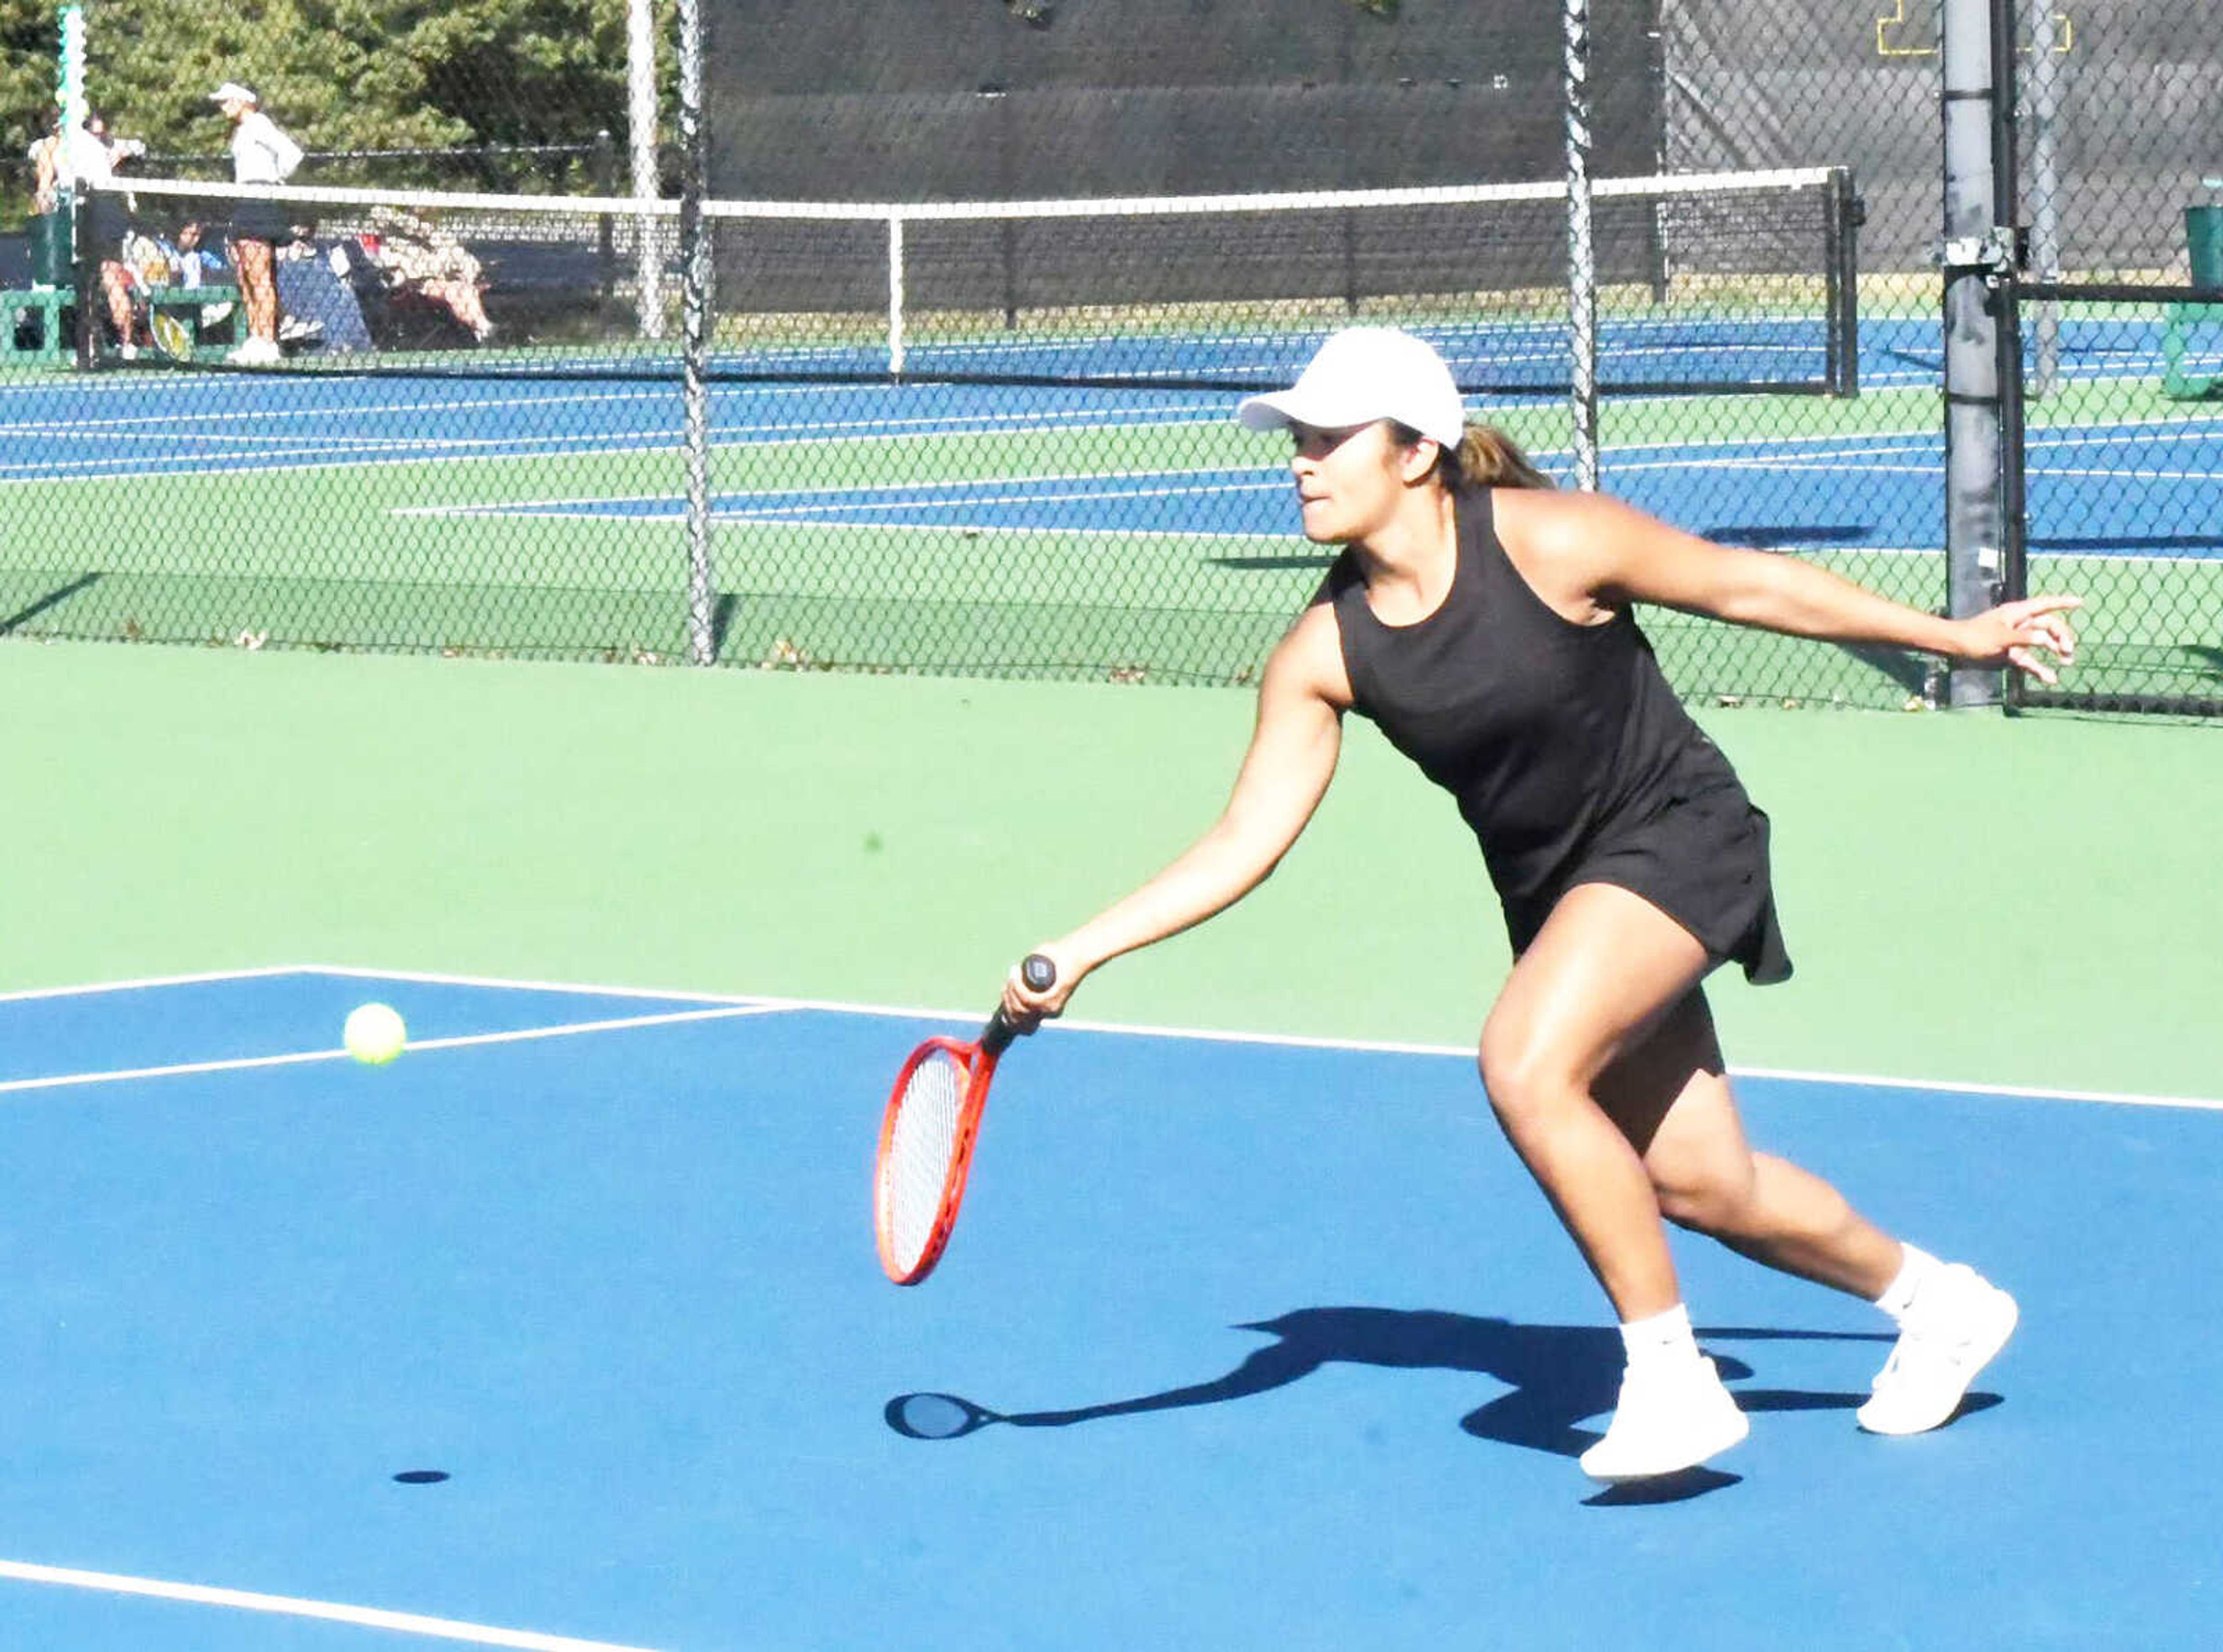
x=2203, y=237
x=50, y=246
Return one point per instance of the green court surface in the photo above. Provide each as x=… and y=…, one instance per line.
x=1970, y=898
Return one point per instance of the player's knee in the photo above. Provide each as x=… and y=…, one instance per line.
x=1526, y=1085
x=1709, y=1198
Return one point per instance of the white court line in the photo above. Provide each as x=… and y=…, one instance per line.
x=760, y=1002
x=349, y=972
x=432, y=977
x=865, y=432
x=197, y=1594
x=299, y=1058
x=195, y=979
x=930, y=493
x=1391, y=1046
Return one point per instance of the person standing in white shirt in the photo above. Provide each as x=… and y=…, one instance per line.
x=261, y=153
x=74, y=166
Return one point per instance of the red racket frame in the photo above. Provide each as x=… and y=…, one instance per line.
x=979, y=1065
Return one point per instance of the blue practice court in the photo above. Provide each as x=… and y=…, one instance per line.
x=565, y=1331
x=2110, y=488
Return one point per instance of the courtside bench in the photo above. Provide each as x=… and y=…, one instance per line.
x=185, y=302
x=47, y=304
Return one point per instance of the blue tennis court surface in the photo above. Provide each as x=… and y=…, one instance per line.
x=1893, y=506
x=1240, y=1344
x=2106, y=488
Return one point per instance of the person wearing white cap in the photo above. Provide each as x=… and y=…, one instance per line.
x=261, y=153
x=1485, y=622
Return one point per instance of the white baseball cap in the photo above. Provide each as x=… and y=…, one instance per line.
x=1362, y=375
x=231, y=91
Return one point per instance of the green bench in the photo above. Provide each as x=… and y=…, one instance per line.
x=185, y=302
x=47, y=304
x=56, y=342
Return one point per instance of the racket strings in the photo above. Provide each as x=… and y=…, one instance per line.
x=921, y=1151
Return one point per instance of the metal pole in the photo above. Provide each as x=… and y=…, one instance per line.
x=1581, y=265
x=1973, y=255
x=69, y=87
x=696, y=292
x=641, y=88
x=69, y=96
x=2045, y=187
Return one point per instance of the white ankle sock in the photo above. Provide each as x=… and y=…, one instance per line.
x=1899, y=1295
x=1659, y=1337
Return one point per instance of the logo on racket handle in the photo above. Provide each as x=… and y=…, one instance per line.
x=1039, y=974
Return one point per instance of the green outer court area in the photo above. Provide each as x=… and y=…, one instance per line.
x=1970, y=899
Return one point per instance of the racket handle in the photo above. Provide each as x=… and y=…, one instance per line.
x=1039, y=974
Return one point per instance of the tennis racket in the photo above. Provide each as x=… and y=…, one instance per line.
x=175, y=338
x=926, y=1136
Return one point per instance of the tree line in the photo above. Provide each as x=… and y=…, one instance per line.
x=337, y=74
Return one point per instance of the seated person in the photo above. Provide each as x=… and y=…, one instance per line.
x=156, y=259
x=423, y=260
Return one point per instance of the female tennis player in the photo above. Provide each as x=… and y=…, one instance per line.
x=261, y=153
x=1485, y=622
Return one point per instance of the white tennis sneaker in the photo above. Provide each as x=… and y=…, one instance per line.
x=1673, y=1414
x=256, y=353
x=1956, y=1325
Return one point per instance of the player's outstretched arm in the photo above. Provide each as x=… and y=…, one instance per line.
x=1294, y=746
x=1618, y=553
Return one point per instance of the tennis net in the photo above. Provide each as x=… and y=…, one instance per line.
x=1708, y=283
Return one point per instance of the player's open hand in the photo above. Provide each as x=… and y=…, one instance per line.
x=2022, y=634
x=1026, y=1005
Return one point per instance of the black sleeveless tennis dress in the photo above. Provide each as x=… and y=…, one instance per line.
x=1567, y=750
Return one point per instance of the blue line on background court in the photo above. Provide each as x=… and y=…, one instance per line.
x=1899, y=508
x=163, y=423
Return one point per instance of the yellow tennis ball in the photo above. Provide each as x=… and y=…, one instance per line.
x=375, y=1034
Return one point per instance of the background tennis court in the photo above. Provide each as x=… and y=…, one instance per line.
x=859, y=523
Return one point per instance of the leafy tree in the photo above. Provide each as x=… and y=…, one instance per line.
x=337, y=74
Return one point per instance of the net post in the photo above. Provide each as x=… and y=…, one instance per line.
x=1841, y=274
x=640, y=107
x=605, y=169
x=1582, y=264
x=895, y=295
x=2045, y=187
x=84, y=275
x=696, y=288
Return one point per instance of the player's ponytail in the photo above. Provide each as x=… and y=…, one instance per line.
x=1486, y=457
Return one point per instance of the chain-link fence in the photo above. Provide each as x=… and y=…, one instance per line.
x=965, y=416
x=2119, y=307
